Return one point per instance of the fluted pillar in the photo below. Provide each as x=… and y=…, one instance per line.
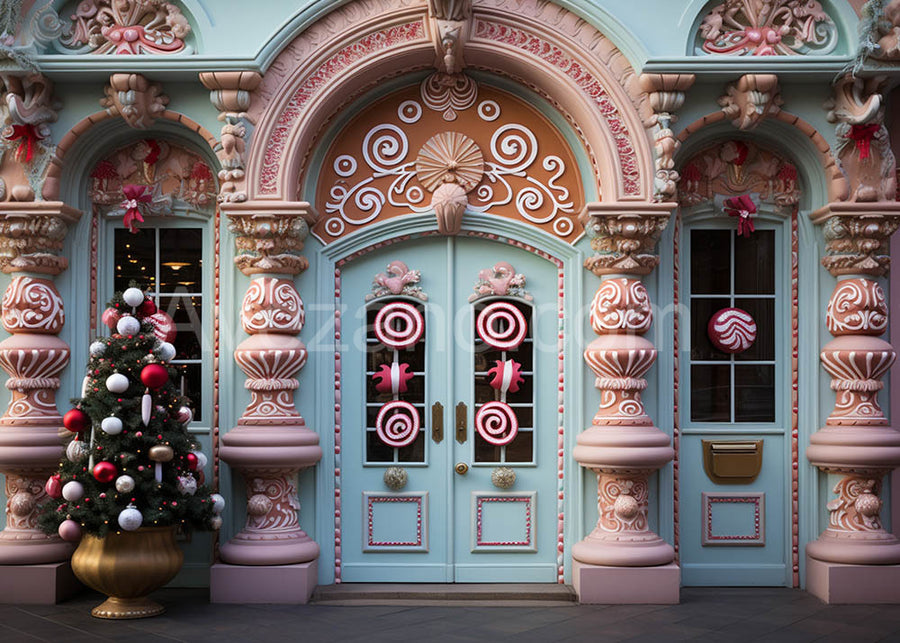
x=33, y=357
x=855, y=559
x=622, y=560
x=271, y=559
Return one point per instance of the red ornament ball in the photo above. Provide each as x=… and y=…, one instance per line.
x=111, y=317
x=191, y=461
x=163, y=326
x=154, y=375
x=147, y=308
x=53, y=486
x=76, y=420
x=105, y=472
x=731, y=330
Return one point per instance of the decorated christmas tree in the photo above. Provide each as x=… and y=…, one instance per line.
x=131, y=462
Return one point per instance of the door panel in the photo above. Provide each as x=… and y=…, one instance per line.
x=443, y=525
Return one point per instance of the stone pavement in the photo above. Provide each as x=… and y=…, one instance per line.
x=707, y=614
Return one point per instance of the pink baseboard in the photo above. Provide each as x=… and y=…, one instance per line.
x=852, y=584
x=627, y=585
x=286, y=584
x=46, y=584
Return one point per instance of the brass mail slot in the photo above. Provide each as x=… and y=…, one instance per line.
x=732, y=461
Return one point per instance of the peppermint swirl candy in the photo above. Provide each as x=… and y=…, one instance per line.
x=502, y=326
x=397, y=424
x=496, y=422
x=399, y=325
x=731, y=330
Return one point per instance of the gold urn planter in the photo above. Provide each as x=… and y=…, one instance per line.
x=127, y=566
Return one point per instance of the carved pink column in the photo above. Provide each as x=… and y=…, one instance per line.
x=855, y=559
x=271, y=559
x=33, y=357
x=621, y=560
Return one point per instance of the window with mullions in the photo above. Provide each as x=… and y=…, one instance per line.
x=168, y=265
x=731, y=271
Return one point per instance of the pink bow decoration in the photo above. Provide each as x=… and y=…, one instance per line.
x=392, y=379
x=743, y=208
x=507, y=375
x=135, y=195
x=862, y=135
x=28, y=136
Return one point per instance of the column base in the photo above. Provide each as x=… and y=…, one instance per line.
x=598, y=584
x=837, y=583
x=286, y=584
x=45, y=584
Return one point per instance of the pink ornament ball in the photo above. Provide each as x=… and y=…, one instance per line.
x=70, y=531
x=731, y=330
x=163, y=326
x=105, y=472
x=111, y=317
x=154, y=375
x=76, y=420
x=53, y=486
x=192, y=461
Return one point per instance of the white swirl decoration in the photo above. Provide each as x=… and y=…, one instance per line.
x=32, y=305
x=448, y=93
x=384, y=147
x=344, y=165
x=515, y=147
x=496, y=422
x=501, y=326
x=732, y=330
x=397, y=424
x=399, y=325
x=409, y=112
x=857, y=307
x=621, y=306
x=272, y=305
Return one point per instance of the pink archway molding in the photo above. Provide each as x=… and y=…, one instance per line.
x=540, y=45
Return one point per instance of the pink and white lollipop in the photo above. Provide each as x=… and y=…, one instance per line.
x=397, y=424
x=399, y=325
x=496, y=422
x=502, y=326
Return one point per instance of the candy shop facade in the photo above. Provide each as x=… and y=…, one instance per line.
x=472, y=291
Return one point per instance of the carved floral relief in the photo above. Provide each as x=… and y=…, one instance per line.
x=450, y=148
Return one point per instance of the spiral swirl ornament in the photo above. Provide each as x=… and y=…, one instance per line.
x=496, y=422
x=397, y=424
x=399, y=325
x=731, y=330
x=502, y=326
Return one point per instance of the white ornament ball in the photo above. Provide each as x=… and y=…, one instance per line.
x=187, y=485
x=166, y=351
x=124, y=484
x=184, y=415
x=201, y=459
x=218, y=502
x=128, y=325
x=97, y=349
x=117, y=383
x=73, y=491
x=130, y=518
x=77, y=451
x=215, y=522
x=111, y=425
x=134, y=297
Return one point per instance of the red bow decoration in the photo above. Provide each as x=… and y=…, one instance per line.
x=741, y=207
x=134, y=196
x=28, y=137
x=863, y=135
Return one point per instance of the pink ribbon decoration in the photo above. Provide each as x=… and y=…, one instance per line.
x=28, y=137
x=743, y=208
x=862, y=135
x=392, y=379
x=507, y=375
x=134, y=196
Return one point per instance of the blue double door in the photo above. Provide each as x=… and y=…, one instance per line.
x=450, y=422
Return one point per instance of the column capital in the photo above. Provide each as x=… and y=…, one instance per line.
x=31, y=233
x=856, y=236
x=624, y=236
x=269, y=235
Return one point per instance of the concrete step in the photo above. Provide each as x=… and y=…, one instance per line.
x=462, y=594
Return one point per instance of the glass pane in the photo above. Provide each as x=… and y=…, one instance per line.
x=754, y=263
x=710, y=393
x=189, y=383
x=414, y=452
x=376, y=450
x=187, y=313
x=754, y=393
x=180, y=259
x=521, y=449
x=485, y=451
x=710, y=261
x=702, y=310
x=763, y=313
x=135, y=259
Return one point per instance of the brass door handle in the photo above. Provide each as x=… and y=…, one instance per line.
x=461, y=419
x=461, y=468
x=437, y=422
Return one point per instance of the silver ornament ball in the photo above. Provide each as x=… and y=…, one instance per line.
x=124, y=484
x=97, y=349
x=130, y=518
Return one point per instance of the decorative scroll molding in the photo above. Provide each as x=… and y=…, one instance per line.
x=230, y=94
x=502, y=158
x=176, y=180
x=751, y=99
x=269, y=237
x=864, y=147
x=397, y=279
x=130, y=27
x=667, y=94
x=31, y=235
x=138, y=101
x=879, y=33
x=766, y=28
x=450, y=21
x=501, y=280
x=738, y=167
x=624, y=240
x=857, y=237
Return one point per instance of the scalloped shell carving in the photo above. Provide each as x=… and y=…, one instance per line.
x=449, y=157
